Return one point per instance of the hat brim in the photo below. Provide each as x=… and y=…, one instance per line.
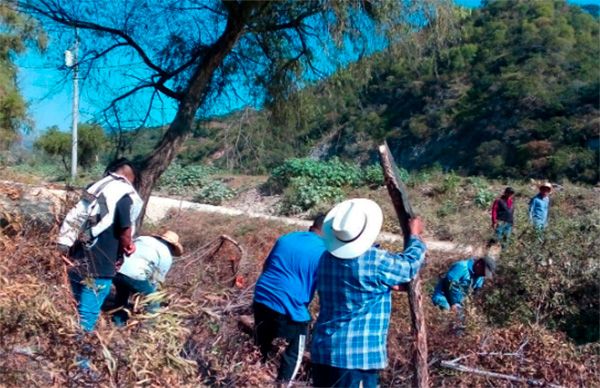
x=353, y=249
x=177, y=247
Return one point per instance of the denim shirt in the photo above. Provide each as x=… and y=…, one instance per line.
x=538, y=211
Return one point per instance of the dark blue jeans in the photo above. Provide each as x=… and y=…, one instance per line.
x=330, y=376
x=125, y=287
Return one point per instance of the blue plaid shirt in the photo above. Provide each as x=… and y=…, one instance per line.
x=355, y=304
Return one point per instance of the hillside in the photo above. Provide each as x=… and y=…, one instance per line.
x=513, y=93
x=520, y=325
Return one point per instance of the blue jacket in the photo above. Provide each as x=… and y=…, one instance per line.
x=538, y=211
x=456, y=285
x=288, y=281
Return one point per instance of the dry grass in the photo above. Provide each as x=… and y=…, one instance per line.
x=195, y=339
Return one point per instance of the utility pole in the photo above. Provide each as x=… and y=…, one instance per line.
x=71, y=62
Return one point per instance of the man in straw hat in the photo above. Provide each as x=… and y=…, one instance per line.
x=355, y=280
x=282, y=295
x=143, y=270
x=539, y=206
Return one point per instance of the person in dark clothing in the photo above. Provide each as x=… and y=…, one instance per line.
x=503, y=216
x=282, y=295
x=99, y=247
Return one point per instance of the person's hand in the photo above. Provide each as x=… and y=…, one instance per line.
x=401, y=287
x=129, y=249
x=416, y=226
x=455, y=308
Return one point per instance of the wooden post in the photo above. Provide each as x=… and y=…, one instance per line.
x=404, y=211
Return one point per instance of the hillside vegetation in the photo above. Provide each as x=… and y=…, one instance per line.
x=513, y=93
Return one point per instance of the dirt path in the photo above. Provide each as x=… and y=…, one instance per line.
x=158, y=207
x=48, y=200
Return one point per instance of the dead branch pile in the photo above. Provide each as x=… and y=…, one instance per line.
x=195, y=339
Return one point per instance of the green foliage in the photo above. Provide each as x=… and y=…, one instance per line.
x=181, y=180
x=447, y=208
x=551, y=279
x=373, y=175
x=214, y=193
x=304, y=193
x=16, y=31
x=196, y=180
x=91, y=143
x=333, y=173
x=483, y=194
x=308, y=183
x=450, y=183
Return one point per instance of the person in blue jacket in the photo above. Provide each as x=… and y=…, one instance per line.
x=282, y=295
x=539, y=206
x=463, y=277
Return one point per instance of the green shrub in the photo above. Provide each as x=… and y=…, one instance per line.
x=214, y=193
x=180, y=180
x=334, y=173
x=450, y=182
x=550, y=279
x=373, y=175
x=447, y=208
x=483, y=195
x=304, y=193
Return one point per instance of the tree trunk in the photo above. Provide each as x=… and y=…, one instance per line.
x=164, y=153
x=399, y=196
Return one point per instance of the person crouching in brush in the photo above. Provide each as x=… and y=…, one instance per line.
x=464, y=277
x=143, y=270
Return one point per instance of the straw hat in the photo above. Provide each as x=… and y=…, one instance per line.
x=547, y=185
x=173, y=239
x=351, y=227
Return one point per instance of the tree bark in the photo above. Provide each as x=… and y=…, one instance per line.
x=166, y=150
x=404, y=211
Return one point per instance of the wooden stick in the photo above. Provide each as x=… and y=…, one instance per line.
x=494, y=375
x=404, y=211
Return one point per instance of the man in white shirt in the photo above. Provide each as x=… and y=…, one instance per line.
x=143, y=270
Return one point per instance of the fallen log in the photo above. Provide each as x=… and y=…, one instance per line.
x=494, y=375
x=404, y=211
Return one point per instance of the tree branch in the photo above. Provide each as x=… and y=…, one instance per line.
x=60, y=16
x=494, y=375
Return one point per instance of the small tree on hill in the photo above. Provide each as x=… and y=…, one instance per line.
x=91, y=142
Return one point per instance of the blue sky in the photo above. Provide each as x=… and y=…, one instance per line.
x=48, y=90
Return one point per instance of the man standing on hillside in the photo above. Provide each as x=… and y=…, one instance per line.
x=96, y=234
x=282, y=295
x=144, y=269
x=502, y=216
x=539, y=207
x=355, y=281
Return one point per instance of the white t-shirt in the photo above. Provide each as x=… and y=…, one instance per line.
x=151, y=260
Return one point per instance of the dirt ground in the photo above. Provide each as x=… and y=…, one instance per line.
x=200, y=335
